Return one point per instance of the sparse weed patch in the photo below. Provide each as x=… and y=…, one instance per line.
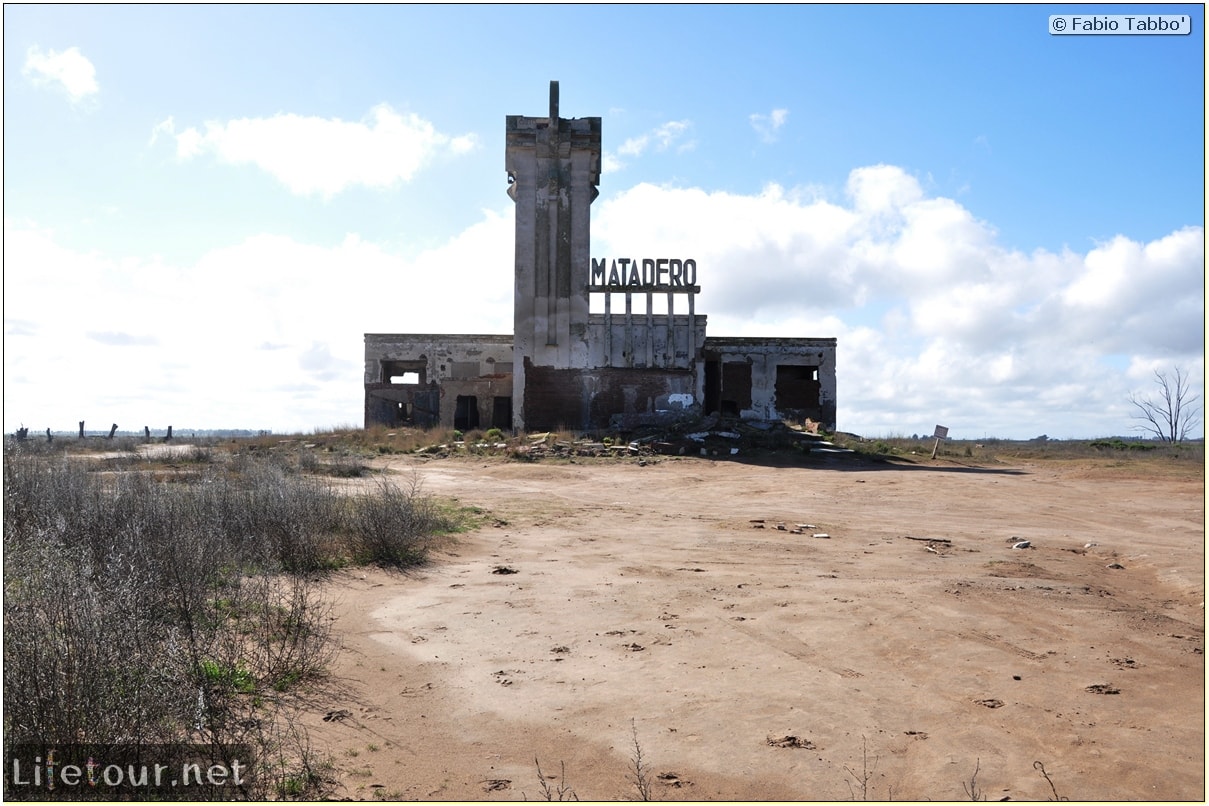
x=205, y=592
x=555, y=789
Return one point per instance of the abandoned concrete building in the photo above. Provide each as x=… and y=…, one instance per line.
x=564, y=367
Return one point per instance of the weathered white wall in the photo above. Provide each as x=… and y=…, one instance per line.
x=492, y=354
x=765, y=355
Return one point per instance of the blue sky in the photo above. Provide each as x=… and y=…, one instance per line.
x=206, y=207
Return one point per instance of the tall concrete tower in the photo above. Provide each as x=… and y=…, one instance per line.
x=553, y=166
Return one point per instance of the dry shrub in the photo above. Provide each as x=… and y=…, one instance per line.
x=142, y=612
x=393, y=527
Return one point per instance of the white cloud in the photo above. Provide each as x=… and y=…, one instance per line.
x=937, y=322
x=69, y=70
x=882, y=189
x=610, y=164
x=322, y=156
x=122, y=339
x=768, y=126
x=935, y=318
x=661, y=138
x=264, y=333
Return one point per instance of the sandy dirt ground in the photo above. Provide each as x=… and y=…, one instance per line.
x=608, y=600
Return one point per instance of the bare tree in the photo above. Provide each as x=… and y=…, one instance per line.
x=1173, y=412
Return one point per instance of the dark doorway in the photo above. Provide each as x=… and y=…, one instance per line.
x=501, y=413
x=713, y=386
x=736, y=387
x=466, y=413
x=426, y=408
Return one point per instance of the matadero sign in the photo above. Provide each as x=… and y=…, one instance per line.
x=647, y=274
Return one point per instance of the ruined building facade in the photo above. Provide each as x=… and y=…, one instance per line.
x=565, y=367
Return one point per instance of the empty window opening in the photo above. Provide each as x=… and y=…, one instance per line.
x=405, y=372
x=797, y=392
x=466, y=413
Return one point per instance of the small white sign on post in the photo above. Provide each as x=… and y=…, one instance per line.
x=941, y=433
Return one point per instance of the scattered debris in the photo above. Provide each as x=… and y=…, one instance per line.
x=337, y=715
x=780, y=526
x=634, y=647
x=496, y=784
x=672, y=779
x=916, y=734
x=504, y=569
x=1102, y=688
x=789, y=740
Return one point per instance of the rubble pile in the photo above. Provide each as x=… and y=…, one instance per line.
x=713, y=436
x=545, y=446
x=717, y=435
